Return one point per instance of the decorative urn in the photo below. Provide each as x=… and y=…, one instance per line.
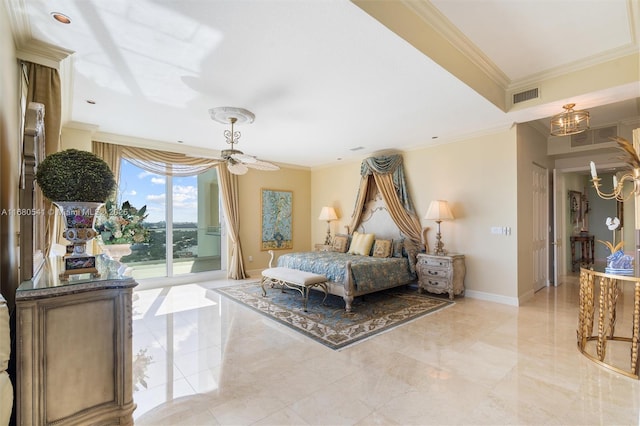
x=79, y=183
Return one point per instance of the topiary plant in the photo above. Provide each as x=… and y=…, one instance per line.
x=75, y=175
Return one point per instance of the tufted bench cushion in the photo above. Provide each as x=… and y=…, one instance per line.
x=294, y=276
x=295, y=279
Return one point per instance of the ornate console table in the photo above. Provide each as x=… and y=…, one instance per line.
x=74, y=347
x=602, y=303
x=587, y=251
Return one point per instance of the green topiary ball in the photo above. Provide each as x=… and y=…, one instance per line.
x=75, y=175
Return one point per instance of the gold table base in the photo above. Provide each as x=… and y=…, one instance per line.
x=610, y=289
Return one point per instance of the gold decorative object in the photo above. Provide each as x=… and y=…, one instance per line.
x=630, y=158
x=611, y=286
x=569, y=122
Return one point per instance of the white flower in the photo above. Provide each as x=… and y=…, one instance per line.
x=612, y=224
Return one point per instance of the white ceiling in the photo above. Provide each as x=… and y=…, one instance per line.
x=322, y=76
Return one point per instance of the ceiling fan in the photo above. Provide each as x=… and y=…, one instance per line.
x=238, y=162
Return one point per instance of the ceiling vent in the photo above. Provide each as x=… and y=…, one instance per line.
x=525, y=96
x=594, y=136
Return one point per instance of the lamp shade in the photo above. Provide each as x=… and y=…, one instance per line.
x=439, y=210
x=328, y=213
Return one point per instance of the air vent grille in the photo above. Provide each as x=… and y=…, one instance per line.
x=525, y=96
x=594, y=136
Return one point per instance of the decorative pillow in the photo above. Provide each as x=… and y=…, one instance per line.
x=382, y=248
x=398, y=245
x=361, y=243
x=340, y=243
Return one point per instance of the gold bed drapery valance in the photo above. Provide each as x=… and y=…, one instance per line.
x=387, y=173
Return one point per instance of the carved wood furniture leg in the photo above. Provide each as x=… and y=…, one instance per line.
x=349, y=287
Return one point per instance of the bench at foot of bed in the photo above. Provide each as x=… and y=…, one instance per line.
x=297, y=280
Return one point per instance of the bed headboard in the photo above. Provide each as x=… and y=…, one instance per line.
x=376, y=219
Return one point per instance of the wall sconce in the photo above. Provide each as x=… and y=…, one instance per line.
x=328, y=214
x=439, y=210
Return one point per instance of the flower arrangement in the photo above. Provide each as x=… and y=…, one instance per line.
x=122, y=225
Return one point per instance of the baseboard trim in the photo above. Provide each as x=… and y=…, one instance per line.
x=490, y=297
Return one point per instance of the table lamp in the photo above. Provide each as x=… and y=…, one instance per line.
x=439, y=210
x=328, y=214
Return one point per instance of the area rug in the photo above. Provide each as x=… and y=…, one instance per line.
x=328, y=323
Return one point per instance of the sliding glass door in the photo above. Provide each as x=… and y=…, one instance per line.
x=183, y=219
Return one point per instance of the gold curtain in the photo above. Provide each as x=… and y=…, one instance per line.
x=111, y=154
x=360, y=202
x=44, y=88
x=387, y=173
x=167, y=163
x=408, y=223
x=176, y=164
x=229, y=191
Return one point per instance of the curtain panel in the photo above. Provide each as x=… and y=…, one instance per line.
x=43, y=86
x=176, y=164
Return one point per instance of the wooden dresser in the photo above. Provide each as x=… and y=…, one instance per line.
x=441, y=274
x=74, y=348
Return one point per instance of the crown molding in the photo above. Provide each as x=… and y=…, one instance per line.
x=439, y=22
x=42, y=53
x=76, y=125
x=583, y=64
x=27, y=47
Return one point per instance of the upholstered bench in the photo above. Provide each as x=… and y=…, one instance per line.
x=294, y=279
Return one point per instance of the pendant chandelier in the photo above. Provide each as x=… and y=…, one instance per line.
x=569, y=122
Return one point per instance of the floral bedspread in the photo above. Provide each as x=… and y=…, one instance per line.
x=369, y=273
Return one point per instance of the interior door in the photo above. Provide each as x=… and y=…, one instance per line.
x=556, y=241
x=540, y=227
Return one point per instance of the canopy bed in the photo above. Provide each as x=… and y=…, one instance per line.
x=383, y=241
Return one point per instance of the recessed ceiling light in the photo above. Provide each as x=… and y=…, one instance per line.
x=91, y=101
x=61, y=17
x=434, y=137
x=180, y=141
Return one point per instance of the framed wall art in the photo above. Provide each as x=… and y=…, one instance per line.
x=277, y=215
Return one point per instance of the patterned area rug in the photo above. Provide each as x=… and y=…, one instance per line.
x=328, y=323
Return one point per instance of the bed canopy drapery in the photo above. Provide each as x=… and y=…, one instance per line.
x=387, y=174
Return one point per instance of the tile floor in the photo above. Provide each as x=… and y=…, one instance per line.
x=205, y=360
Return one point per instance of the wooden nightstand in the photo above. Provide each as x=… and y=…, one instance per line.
x=441, y=274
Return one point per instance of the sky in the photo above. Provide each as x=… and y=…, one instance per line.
x=142, y=188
